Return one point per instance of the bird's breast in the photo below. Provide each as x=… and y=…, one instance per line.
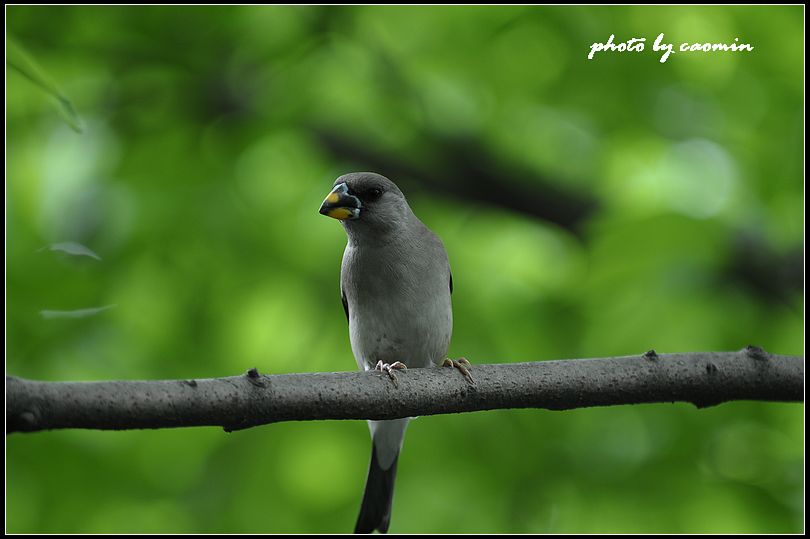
x=392, y=331
x=398, y=313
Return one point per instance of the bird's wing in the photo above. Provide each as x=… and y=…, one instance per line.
x=451, y=291
x=346, y=303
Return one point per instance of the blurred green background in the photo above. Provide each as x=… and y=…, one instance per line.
x=589, y=208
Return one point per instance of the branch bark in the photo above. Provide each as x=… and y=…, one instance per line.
x=701, y=378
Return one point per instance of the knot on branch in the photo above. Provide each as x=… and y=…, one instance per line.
x=756, y=352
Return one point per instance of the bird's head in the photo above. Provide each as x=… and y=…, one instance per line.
x=367, y=204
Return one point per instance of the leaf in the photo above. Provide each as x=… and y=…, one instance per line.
x=76, y=313
x=72, y=248
x=18, y=58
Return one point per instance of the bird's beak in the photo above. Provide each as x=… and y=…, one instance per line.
x=339, y=204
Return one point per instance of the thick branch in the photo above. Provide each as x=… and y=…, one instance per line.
x=701, y=378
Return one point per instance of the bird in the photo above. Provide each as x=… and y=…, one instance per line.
x=396, y=288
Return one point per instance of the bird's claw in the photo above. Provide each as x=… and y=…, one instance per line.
x=462, y=365
x=390, y=368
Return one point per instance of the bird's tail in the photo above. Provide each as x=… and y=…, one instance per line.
x=375, y=510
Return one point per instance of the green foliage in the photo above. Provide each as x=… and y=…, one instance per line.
x=20, y=60
x=179, y=237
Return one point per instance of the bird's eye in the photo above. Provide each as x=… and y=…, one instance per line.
x=373, y=193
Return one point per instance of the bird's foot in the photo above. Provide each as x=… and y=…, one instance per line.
x=390, y=368
x=462, y=365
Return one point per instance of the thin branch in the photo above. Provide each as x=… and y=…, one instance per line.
x=701, y=378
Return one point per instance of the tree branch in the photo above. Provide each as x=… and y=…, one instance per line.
x=701, y=378
x=466, y=169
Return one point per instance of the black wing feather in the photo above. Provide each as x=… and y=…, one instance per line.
x=346, y=303
x=451, y=284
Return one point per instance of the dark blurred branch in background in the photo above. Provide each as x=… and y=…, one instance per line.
x=772, y=275
x=701, y=378
x=468, y=171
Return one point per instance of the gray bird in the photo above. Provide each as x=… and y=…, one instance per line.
x=395, y=284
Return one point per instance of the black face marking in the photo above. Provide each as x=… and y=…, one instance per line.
x=370, y=194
